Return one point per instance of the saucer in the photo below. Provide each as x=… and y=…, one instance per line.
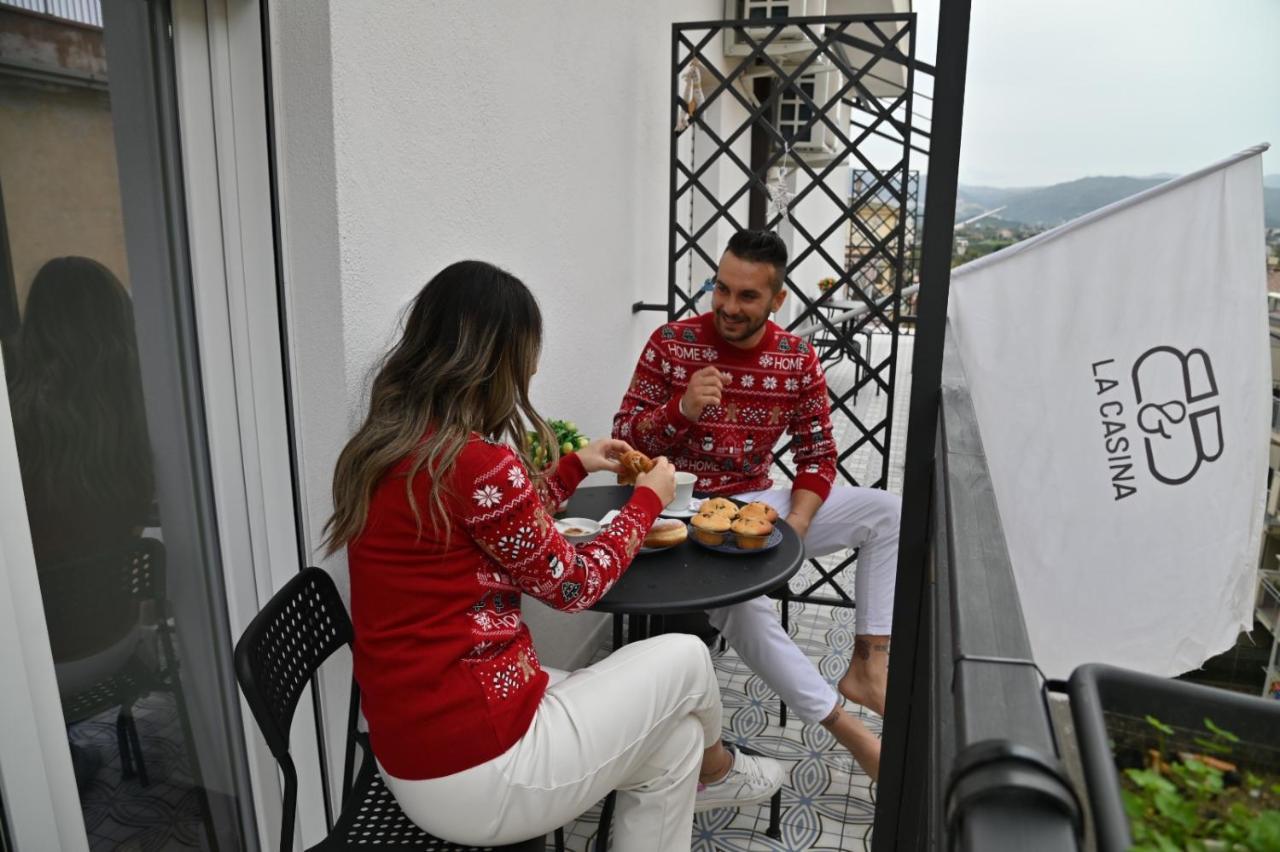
x=688, y=512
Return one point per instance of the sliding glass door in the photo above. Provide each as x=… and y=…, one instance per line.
x=97, y=330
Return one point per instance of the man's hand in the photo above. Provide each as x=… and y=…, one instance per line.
x=705, y=387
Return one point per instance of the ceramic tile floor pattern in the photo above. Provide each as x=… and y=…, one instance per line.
x=828, y=802
x=120, y=814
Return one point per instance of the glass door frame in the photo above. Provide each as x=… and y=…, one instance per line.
x=213, y=205
x=224, y=116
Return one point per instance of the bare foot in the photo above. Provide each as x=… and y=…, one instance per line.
x=868, y=675
x=853, y=735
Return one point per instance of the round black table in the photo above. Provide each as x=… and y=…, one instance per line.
x=680, y=579
x=687, y=577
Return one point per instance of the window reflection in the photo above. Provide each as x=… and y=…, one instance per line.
x=89, y=466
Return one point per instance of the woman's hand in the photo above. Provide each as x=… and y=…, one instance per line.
x=662, y=480
x=603, y=454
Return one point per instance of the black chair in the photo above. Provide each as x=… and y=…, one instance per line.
x=88, y=604
x=282, y=648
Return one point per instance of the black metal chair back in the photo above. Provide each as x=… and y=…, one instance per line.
x=300, y=627
x=282, y=648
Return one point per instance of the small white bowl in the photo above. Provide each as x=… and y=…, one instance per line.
x=578, y=529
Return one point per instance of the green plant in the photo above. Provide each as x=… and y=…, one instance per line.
x=568, y=438
x=1194, y=801
x=825, y=284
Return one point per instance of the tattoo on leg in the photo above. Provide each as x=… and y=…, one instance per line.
x=862, y=648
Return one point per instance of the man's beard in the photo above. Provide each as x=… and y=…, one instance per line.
x=748, y=327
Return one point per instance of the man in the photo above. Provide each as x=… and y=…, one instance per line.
x=714, y=393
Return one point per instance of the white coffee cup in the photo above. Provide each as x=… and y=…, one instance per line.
x=684, y=489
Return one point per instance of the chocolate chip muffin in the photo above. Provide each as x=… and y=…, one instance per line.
x=751, y=533
x=763, y=511
x=710, y=528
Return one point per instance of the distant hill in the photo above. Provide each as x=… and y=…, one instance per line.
x=1052, y=205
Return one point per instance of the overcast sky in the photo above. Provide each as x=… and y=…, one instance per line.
x=1067, y=89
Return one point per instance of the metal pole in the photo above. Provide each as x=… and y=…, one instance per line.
x=900, y=807
x=899, y=261
x=671, y=190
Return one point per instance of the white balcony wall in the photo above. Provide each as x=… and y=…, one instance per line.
x=531, y=135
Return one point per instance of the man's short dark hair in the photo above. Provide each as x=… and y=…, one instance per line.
x=762, y=247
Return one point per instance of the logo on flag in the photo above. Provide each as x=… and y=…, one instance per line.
x=1183, y=428
x=1174, y=396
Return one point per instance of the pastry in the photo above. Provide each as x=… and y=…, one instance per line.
x=751, y=533
x=718, y=506
x=633, y=464
x=666, y=532
x=759, y=510
x=710, y=528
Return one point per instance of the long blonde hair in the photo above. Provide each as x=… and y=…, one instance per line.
x=461, y=367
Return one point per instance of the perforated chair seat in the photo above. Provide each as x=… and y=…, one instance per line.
x=122, y=688
x=372, y=820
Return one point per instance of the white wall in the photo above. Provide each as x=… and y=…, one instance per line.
x=815, y=213
x=531, y=135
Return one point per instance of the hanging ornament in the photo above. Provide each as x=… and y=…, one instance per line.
x=780, y=193
x=691, y=93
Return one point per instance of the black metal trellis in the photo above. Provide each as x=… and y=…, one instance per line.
x=875, y=278
x=880, y=214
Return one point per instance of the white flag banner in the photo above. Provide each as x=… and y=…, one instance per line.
x=1120, y=370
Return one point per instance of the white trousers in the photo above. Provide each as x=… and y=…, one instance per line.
x=865, y=518
x=636, y=722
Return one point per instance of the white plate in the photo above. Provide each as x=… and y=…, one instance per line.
x=590, y=528
x=688, y=512
x=613, y=513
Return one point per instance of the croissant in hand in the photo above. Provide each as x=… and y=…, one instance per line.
x=633, y=464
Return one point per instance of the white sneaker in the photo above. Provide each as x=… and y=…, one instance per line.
x=752, y=778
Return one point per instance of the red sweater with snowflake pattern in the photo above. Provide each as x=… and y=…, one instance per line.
x=446, y=666
x=775, y=386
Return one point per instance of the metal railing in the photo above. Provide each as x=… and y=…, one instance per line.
x=969, y=758
x=994, y=777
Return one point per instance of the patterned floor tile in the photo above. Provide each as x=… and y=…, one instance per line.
x=828, y=801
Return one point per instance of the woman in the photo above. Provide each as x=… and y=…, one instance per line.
x=83, y=450
x=445, y=527
x=78, y=414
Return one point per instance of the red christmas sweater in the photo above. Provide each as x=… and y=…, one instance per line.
x=775, y=386
x=446, y=666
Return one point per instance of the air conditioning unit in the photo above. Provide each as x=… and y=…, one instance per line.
x=769, y=13
x=816, y=142
x=887, y=78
